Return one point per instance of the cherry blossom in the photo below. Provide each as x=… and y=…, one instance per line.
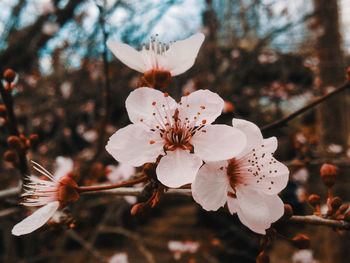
x=180, y=134
x=175, y=58
x=248, y=183
x=51, y=194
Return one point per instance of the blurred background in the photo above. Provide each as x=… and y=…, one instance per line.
x=266, y=58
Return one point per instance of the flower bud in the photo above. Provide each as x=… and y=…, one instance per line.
x=33, y=139
x=9, y=75
x=314, y=200
x=301, y=241
x=138, y=208
x=347, y=75
x=265, y=241
x=3, y=111
x=10, y=156
x=263, y=258
x=336, y=203
x=329, y=174
x=14, y=143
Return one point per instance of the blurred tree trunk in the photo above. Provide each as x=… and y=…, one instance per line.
x=331, y=114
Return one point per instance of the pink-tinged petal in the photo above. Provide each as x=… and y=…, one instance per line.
x=127, y=55
x=120, y=173
x=253, y=133
x=218, y=142
x=64, y=166
x=232, y=205
x=258, y=211
x=145, y=106
x=201, y=106
x=182, y=54
x=270, y=144
x=211, y=185
x=178, y=168
x=135, y=146
x=35, y=220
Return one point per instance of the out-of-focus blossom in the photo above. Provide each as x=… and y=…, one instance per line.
x=335, y=148
x=235, y=53
x=301, y=194
x=348, y=153
x=175, y=58
x=248, y=183
x=47, y=8
x=50, y=28
x=179, y=132
x=119, y=258
x=180, y=247
x=51, y=194
x=303, y=256
x=66, y=89
x=120, y=173
x=189, y=87
x=90, y=135
x=301, y=175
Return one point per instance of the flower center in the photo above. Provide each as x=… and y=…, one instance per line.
x=233, y=173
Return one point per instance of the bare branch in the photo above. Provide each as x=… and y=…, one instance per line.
x=285, y=120
x=317, y=220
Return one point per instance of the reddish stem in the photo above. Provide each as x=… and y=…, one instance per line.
x=83, y=189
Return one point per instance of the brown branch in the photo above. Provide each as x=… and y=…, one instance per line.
x=285, y=120
x=317, y=220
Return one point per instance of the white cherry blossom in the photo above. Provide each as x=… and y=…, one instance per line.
x=180, y=133
x=45, y=193
x=175, y=58
x=248, y=183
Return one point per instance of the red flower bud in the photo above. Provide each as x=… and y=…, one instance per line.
x=149, y=169
x=314, y=200
x=14, y=143
x=301, y=241
x=33, y=139
x=3, y=111
x=10, y=156
x=329, y=174
x=288, y=212
x=336, y=203
x=9, y=75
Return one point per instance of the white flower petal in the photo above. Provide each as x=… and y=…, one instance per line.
x=232, y=205
x=135, y=146
x=142, y=103
x=253, y=133
x=64, y=166
x=257, y=211
x=127, y=55
x=177, y=168
x=210, y=187
x=182, y=54
x=201, y=105
x=35, y=220
x=218, y=142
x=270, y=145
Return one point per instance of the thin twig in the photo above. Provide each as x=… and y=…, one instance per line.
x=135, y=191
x=317, y=220
x=285, y=120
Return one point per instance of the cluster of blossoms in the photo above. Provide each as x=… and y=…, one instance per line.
x=231, y=165
x=225, y=164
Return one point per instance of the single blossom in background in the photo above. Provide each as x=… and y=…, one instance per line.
x=249, y=183
x=51, y=194
x=180, y=133
x=175, y=58
x=118, y=174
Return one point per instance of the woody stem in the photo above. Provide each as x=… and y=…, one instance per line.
x=83, y=189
